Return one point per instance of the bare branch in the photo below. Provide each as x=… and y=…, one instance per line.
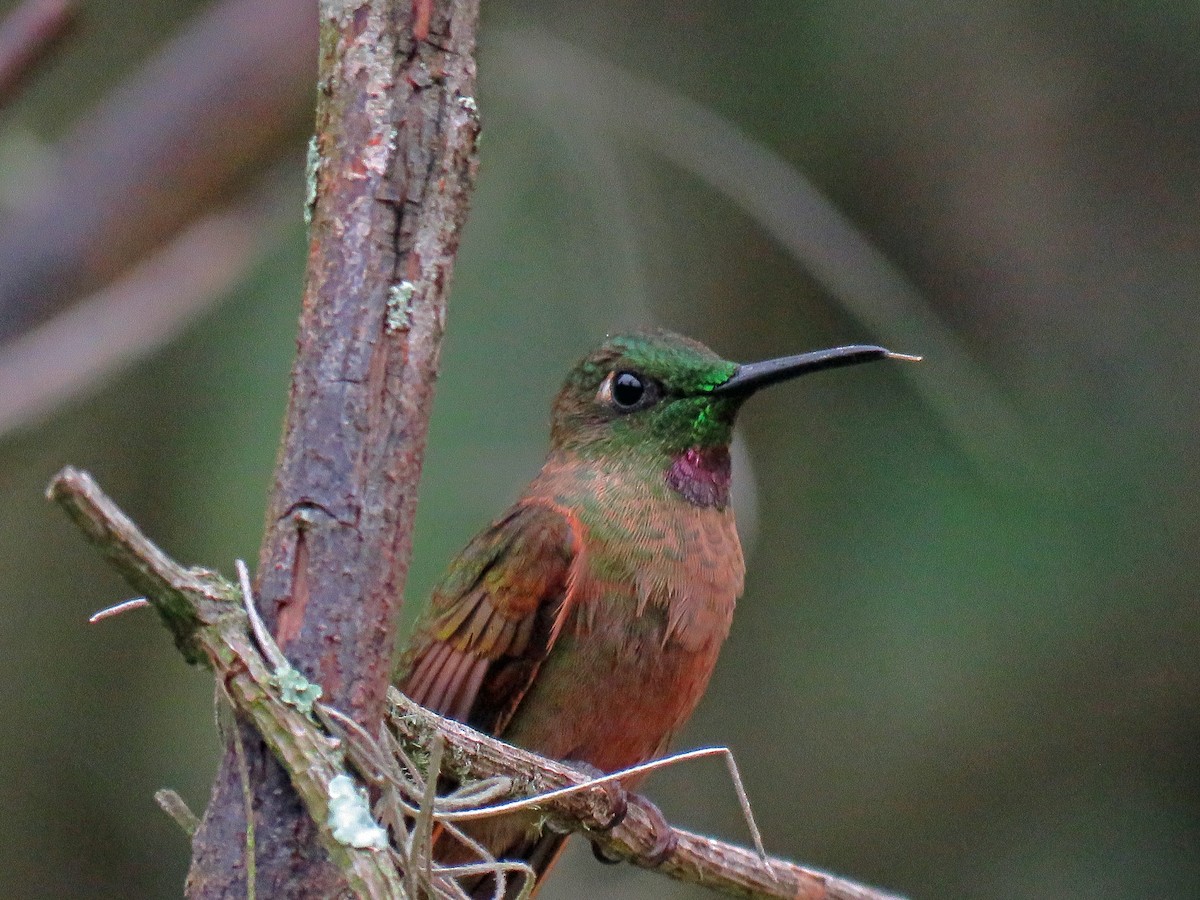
x=733, y=870
x=202, y=611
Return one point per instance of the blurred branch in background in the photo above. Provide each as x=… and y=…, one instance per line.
x=27, y=36
x=178, y=137
x=139, y=312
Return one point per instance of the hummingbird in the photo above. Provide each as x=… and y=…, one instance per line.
x=584, y=623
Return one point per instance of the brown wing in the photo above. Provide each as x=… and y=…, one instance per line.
x=490, y=621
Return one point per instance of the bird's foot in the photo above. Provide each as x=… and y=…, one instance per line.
x=665, y=837
x=618, y=802
x=620, y=799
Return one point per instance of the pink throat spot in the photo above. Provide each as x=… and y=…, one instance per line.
x=701, y=476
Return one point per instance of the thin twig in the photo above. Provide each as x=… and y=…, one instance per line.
x=423, y=830
x=175, y=807
x=116, y=609
x=483, y=812
x=266, y=643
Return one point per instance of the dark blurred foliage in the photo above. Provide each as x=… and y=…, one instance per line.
x=967, y=663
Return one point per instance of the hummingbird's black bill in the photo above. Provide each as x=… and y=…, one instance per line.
x=752, y=376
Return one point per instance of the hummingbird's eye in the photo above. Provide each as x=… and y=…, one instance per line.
x=628, y=391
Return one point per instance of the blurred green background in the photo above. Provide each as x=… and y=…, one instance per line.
x=967, y=662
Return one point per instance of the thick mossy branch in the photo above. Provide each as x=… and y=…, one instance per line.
x=203, y=612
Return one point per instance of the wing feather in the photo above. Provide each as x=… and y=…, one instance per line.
x=491, y=620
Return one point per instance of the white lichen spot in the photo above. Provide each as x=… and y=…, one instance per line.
x=350, y=816
x=379, y=152
x=312, y=177
x=469, y=104
x=295, y=690
x=398, y=299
